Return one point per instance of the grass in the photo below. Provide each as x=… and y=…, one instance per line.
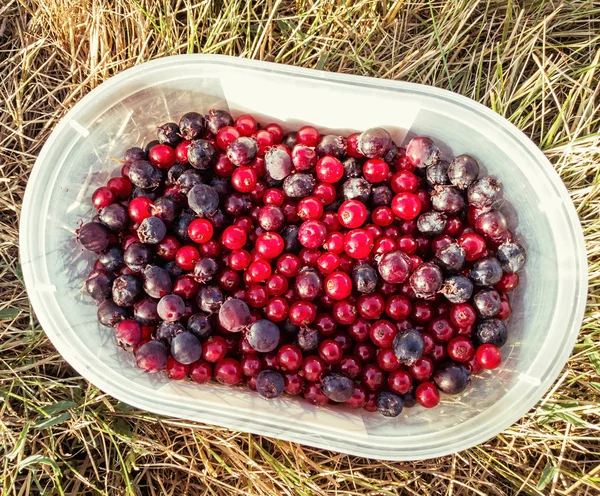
x=537, y=63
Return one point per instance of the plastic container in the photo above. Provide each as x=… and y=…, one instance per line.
x=125, y=111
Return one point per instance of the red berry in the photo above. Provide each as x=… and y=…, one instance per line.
x=228, y=371
x=488, y=356
x=473, y=244
x=289, y=357
x=422, y=369
x=350, y=366
x=312, y=233
x=294, y=383
x=344, y=312
x=201, y=371
x=310, y=208
x=288, y=265
x=214, y=349
x=352, y=213
x=338, y=285
x=234, y=237
x=359, y=397
x=406, y=206
x=251, y=365
x=373, y=377
x=246, y=125
x=185, y=286
x=359, y=330
x=508, y=282
x=440, y=329
x=273, y=196
x=269, y=245
x=427, y=394
x=375, y=170
x=167, y=248
x=186, y=257
x=120, y=186
x=257, y=296
x=139, y=208
x=387, y=360
x=264, y=139
x=302, y=313
x=328, y=262
x=399, y=381
x=325, y=192
x=358, y=243
x=176, y=370
x=404, y=181
x=259, y=271
x=103, y=197
x=382, y=333
x=370, y=306
x=313, y=368
x=304, y=157
x=462, y=315
x=226, y=135
x=330, y=351
x=276, y=131
x=329, y=169
x=313, y=394
x=308, y=136
x=384, y=245
x=460, y=349
x=200, y=230
x=181, y=151
x=383, y=216
x=335, y=243
x=244, y=179
x=162, y=156
x=239, y=259
x=365, y=351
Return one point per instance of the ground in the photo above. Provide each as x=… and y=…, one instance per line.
x=536, y=63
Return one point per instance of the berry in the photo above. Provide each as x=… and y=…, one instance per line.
x=358, y=243
x=473, y=244
x=352, y=214
x=484, y=192
x=103, y=197
x=488, y=356
x=394, y=267
x=372, y=377
x=462, y=171
x=457, y=289
x=330, y=351
x=234, y=315
x=491, y=331
x=312, y=234
x=427, y=394
x=374, y=142
x=338, y=388
x=185, y=347
x=162, y=156
x=151, y=357
x=278, y=163
x=389, y=404
x=338, y=285
x=422, y=152
x=308, y=136
x=93, y=236
x=487, y=302
x=406, y=206
x=228, y=371
x=460, y=349
x=186, y=257
x=408, y=346
x=451, y=378
x=269, y=384
x=329, y=170
x=511, y=256
x=263, y=336
x=375, y=170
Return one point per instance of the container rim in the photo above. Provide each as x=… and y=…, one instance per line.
x=31, y=252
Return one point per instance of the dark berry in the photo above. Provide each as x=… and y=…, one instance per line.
x=192, y=125
x=462, y=171
x=169, y=134
x=364, y=277
x=451, y=257
x=308, y=338
x=171, y=308
x=298, y=185
x=511, y=256
x=269, y=384
x=133, y=154
x=381, y=195
x=333, y=145
x=152, y=230
x=234, y=315
x=484, y=192
x=338, y=388
x=374, y=142
x=93, y=236
x=157, y=281
x=431, y=223
x=408, y=346
x=263, y=335
x=166, y=331
x=111, y=258
x=203, y=199
x=110, y=314
x=356, y=188
x=210, y=299
x=457, y=289
x=99, y=284
x=290, y=140
x=491, y=331
x=186, y=348
x=217, y=119
x=126, y=290
x=486, y=271
x=202, y=154
x=394, y=267
x=242, y=151
x=487, y=302
x=145, y=311
x=422, y=152
x=151, y=357
x=389, y=404
x=144, y=175
x=451, y=378
x=187, y=180
x=447, y=199
x=426, y=280
x=491, y=224
x=437, y=174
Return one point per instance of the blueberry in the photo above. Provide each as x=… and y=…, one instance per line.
x=451, y=378
x=389, y=404
x=374, y=142
x=486, y=271
x=462, y=171
x=333, y=145
x=451, y=257
x=166, y=331
x=202, y=154
x=381, y=195
x=217, y=119
x=308, y=338
x=392, y=154
x=457, y=289
x=484, y=192
x=511, y=256
x=431, y=223
x=187, y=180
x=144, y=175
x=263, y=335
x=290, y=239
x=309, y=284
x=426, y=280
x=110, y=314
x=210, y=299
x=126, y=290
x=151, y=357
x=166, y=208
x=408, y=346
x=137, y=192
x=192, y=125
x=356, y=188
x=99, y=284
x=278, y=163
x=447, y=199
x=137, y=255
x=491, y=331
x=234, y=315
x=205, y=269
x=200, y=325
x=175, y=172
x=437, y=174
x=269, y=384
x=152, y=230
x=186, y=348
x=338, y=387
x=364, y=277
x=114, y=217
x=112, y=258
x=203, y=199
x=181, y=224
x=144, y=311
x=352, y=168
x=487, y=302
x=173, y=269
x=289, y=140
x=299, y=185
x=169, y=134
x=408, y=399
x=157, y=281
x=171, y=308
x=134, y=154
x=242, y=151
x=93, y=236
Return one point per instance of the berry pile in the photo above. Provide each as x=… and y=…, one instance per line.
x=345, y=270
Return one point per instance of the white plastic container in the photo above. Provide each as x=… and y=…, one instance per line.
x=125, y=111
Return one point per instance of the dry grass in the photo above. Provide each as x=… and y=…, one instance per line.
x=535, y=62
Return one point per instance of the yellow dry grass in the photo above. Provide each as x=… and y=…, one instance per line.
x=535, y=62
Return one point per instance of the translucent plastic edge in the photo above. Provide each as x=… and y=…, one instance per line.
x=486, y=430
